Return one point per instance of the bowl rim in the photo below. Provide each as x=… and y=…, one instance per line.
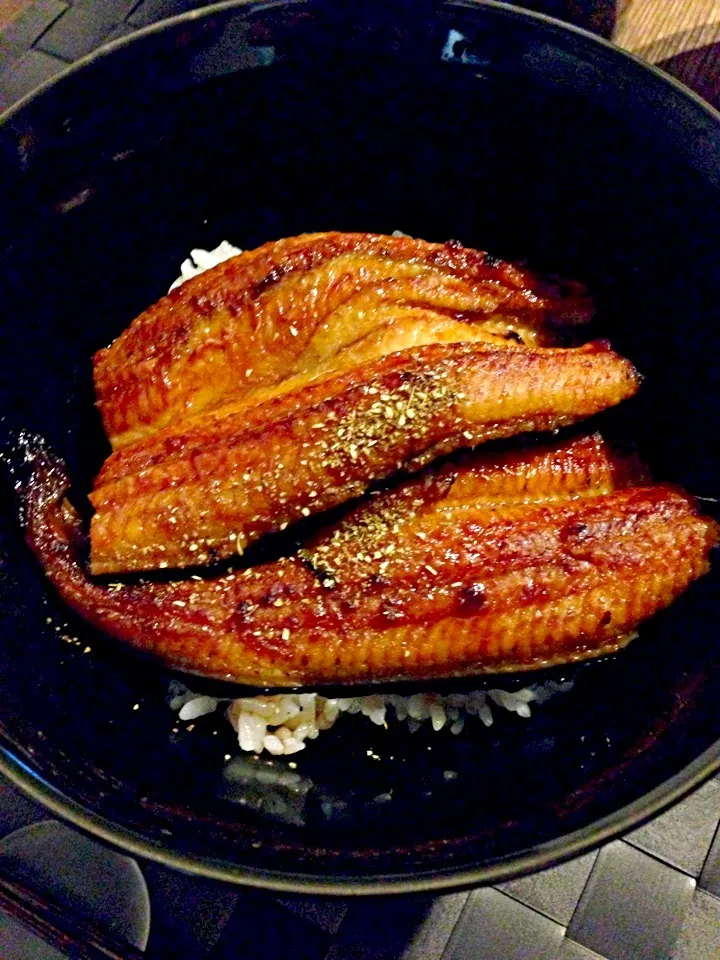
x=549, y=853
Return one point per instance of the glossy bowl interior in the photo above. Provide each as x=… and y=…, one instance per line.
x=451, y=120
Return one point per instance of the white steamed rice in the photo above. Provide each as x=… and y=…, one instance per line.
x=201, y=260
x=282, y=723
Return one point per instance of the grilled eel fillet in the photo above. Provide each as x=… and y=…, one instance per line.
x=308, y=305
x=203, y=489
x=510, y=564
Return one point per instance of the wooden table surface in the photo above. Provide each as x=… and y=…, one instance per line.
x=680, y=36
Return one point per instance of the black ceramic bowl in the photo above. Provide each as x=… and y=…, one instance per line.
x=459, y=120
